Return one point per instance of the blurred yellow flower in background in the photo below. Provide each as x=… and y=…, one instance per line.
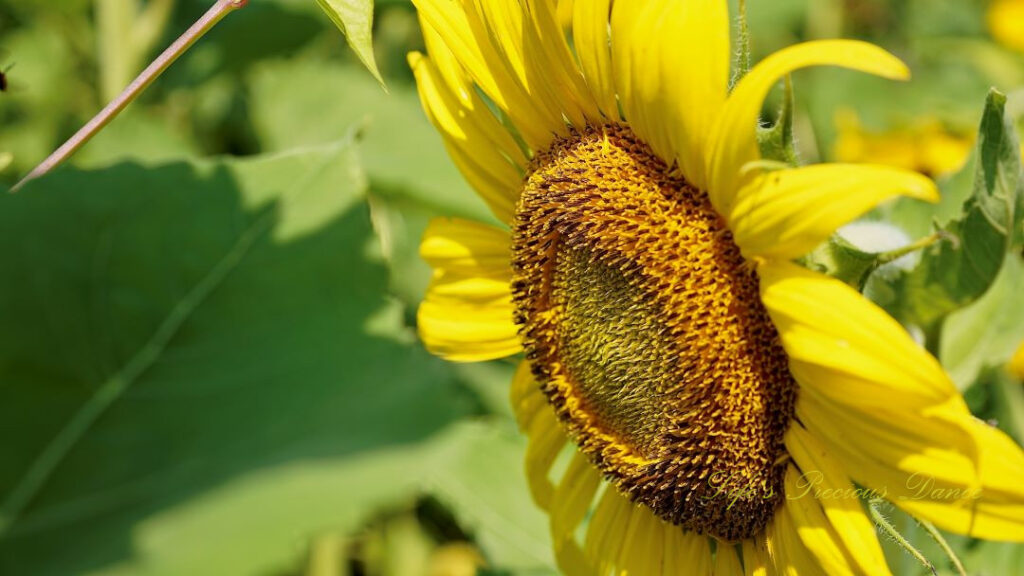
x=925, y=146
x=1016, y=365
x=1006, y=23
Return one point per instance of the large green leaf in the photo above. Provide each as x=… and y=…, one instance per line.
x=355, y=19
x=182, y=337
x=412, y=179
x=986, y=333
x=477, y=468
x=961, y=266
x=269, y=517
x=304, y=102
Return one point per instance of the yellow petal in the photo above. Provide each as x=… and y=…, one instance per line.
x=606, y=530
x=686, y=553
x=643, y=548
x=571, y=561
x=849, y=349
x=790, y=556
x=466, y=314
x=888, y=412
x=545, y=440
x=467, y=331
x=628, y=539
x=469, y=134
x=756, y=558
x=827, y=510
x=569, y=507
x=727, y=563
x=786, y=213
x=454, y=77
x=483, y=43
x=504, y=24
x=734, y=136
x=537, y=55
x=573, y=496
x=457, y=245
x=815, y=533
x=551, y=64
x=525, y=396
x=446, y=20
x=590, y=38
x=940, y=464
x=672, y=89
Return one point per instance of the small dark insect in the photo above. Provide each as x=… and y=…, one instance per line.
x=3, y=78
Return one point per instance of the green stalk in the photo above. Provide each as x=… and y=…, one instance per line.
x=743, y=65
x=882, y=522
x=150, y=24
x=117, y=54
x=930, y=529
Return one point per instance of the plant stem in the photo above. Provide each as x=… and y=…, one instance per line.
x=150, y=24
x=890, y=530
x=117, y=55
x=883, y=258
x=937, y=537
x=893, y=255
x=207, y=21
x=743, y=65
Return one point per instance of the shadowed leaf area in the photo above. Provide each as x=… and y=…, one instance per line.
x=233, y=315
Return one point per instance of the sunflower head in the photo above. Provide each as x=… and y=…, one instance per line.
x=644, y=270
x=642, y=322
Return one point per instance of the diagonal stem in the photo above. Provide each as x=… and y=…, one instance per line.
x=930, y=529
x=883, y=523
x=207, y=21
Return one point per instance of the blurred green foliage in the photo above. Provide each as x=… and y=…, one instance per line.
x=227, y=346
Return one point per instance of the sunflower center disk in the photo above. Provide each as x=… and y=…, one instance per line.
x=644, y=326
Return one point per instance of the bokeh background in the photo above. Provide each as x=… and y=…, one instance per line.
x=227, y=280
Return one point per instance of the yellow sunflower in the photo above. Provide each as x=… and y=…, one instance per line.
x=695, y=402
x=925, y=146
x=1006, y=23
x=1016, y=364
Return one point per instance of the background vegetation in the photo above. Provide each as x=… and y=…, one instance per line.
x=208, y=360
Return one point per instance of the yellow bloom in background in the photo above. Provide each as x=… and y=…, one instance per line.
x=1006, y=23
x=693, y=399
x=1016, y=365
x=926, y=147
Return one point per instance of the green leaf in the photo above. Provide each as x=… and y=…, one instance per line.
x=776, y=142
x=412, y=179
x=305, y=102
x=200, y=367
x=355, y=19
x=478, y=469
x=840, y=259
x=986, y=558
x=986, y=333
x=958, y=269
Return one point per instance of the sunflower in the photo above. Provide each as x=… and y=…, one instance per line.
x=693, y=399
x=1006, y=23
x=1016, y=364
x=926, y=146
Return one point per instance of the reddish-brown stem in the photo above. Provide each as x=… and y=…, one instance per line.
x=220, y=9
